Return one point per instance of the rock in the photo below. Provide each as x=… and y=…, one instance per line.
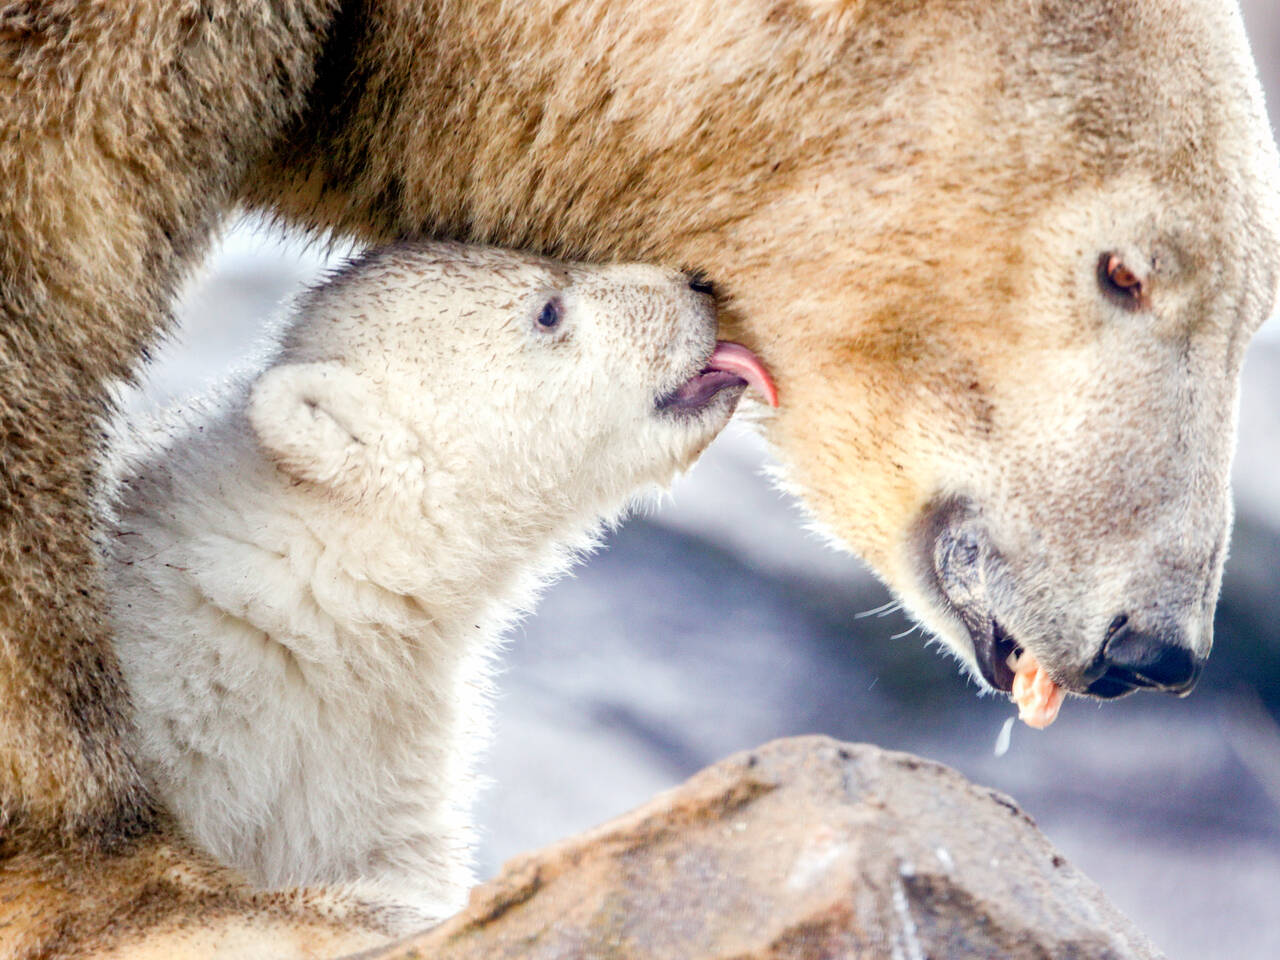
x=803, y=848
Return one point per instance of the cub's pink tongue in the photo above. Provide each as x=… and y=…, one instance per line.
x=736, y=359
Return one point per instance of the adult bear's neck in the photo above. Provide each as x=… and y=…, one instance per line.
x=595, y=130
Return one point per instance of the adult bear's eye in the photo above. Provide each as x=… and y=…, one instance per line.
x=551, y=315
x=1121, y=285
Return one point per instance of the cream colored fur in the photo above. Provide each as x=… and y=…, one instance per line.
x=310, y=572
x=903, y=204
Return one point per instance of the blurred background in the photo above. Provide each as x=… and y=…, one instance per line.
x=714, y=622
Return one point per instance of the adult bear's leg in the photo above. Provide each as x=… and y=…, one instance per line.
x=126, y=130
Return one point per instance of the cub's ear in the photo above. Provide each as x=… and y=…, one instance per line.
x=321, y=422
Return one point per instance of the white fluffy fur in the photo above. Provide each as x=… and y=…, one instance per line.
x=310, y=571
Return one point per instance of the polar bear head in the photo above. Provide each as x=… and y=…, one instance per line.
x=1034, y=303
x=452, y=382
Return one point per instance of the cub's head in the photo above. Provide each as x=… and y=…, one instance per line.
x=421, y=376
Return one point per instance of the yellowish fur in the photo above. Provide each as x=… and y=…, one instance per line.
x=901, y=202
x=163, y=899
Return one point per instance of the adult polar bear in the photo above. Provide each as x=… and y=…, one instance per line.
x=1003, y=256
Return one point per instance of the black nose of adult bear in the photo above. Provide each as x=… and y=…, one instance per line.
x=1133, y=659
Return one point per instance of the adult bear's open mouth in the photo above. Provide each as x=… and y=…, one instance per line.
x=997, y=654
x=730, y=366
x=956, y=552
x=960, y=560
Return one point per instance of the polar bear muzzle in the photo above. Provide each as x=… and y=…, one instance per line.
x=970, y=576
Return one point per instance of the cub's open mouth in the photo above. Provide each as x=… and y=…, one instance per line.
x=730, y=366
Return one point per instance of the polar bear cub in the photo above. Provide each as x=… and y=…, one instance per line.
x=310, y=572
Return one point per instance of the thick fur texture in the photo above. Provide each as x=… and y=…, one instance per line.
x=125, y=134
x=310, y=572
x=904, y=204
x=161, y=900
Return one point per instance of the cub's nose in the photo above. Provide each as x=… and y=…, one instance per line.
x=699, y=283
x=1133, y=659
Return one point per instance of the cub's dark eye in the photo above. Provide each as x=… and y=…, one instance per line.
x=551, y=315
x=1120, y=283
